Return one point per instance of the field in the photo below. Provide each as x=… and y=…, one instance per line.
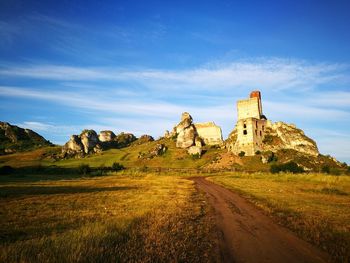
x=151, y=211
x=315, y=206
x=119, y=217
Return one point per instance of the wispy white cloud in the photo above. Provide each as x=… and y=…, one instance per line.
x=269, y=73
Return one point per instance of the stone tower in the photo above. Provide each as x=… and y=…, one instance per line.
x=250, y=125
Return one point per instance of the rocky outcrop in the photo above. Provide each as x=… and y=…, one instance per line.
x=106, y=136
x=144, y=139
x=158, y=150
x=195, y=150
x=89, y=139
x=186, y=132
x=186, y=137
x=279, y=136
x=14, y=138
x=124, y=139
x=89, y=142
x=286, y=136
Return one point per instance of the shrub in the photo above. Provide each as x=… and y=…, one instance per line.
x=84, y=169
x=196, y=156
x=291, y=167
x=325, y=169
x=334, y=171
x=272, y=158
x=257, y=152
x=6, y=169
x=241, y=154
x=117, y=167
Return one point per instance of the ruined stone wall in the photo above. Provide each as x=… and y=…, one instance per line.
x=209, y=132
x=249, y=108
x=250, y=135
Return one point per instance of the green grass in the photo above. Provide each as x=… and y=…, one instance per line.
x=315, y=206
x=120, y=217
x=128, y=157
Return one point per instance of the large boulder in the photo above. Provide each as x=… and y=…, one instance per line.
x=186, y=121
x=89, y=139
x=195, y=150
x=124, y=139
x=186, y=137
x=106, y=136
x=73, y=147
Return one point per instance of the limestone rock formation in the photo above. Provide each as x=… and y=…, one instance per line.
x=186, y=132
x=186, y=121
x=195, y=150
x=286, y=136
x=14, y=138
x=193, y=136
x=73, y=146
x=124, y=139
x=89, y=139
x=186, y=137
x=279, y=136
x=157, y=150
x=144, y=139
x=106, y=136
x=89, y=142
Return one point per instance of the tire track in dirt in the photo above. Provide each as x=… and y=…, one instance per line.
x=247, y=235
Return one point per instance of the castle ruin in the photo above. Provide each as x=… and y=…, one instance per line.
x=250, y=125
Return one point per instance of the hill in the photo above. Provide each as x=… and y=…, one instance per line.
x=16, y=139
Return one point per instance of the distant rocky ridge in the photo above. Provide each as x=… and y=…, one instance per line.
x=14, y=139
x=91, y=142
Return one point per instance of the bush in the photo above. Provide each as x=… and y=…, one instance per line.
x=117, y=167
x=241, y=154
x=325, y=169
x=196, y=156
x=335, y=171
x=291, y=167
x=84, y=169
x=257, y=152
x=6, y=169
x=272, y=158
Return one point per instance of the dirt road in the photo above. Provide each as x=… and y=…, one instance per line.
x=250, y=236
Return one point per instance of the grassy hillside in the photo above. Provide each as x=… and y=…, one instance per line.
x=173, y=157
x=14, y=139
x=315, y=206
x=115, y=218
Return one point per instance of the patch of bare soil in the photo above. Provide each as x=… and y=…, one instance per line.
x=247, y=235
x=223, y=161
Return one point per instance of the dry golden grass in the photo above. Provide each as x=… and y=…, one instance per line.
x=115, y=218
x=315, y=206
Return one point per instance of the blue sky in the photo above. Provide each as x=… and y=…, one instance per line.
x=134, y=66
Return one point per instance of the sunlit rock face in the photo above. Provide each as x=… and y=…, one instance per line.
x=106, y=136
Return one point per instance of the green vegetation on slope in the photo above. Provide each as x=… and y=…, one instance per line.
x=14, y=138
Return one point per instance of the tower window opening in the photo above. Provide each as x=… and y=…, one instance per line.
x=256, y=132
x=245, y=132
x=260, y=133
x=244, y=125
